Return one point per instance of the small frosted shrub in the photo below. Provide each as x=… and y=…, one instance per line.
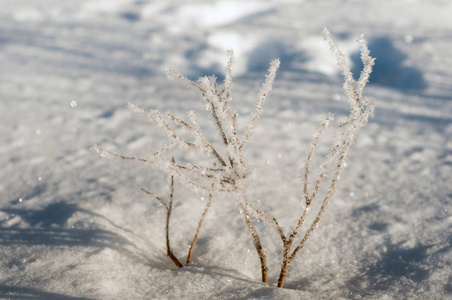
x=227, y=172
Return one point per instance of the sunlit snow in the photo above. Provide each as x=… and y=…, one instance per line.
x=75, y=226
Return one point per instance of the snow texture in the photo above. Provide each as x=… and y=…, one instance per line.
x=74, y=226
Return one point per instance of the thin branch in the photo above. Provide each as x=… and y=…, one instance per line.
x=162, y=150
x=270, y=220
x=257, y=243
x=157, y=198
x=198, y=134
x=176, y=170
x=228, y=77
x=210, y=97
x=156, y=118
x=326, y=200
x=349, y=83
x=231, y=117
x=312, y=147
x=185, y=79
x=169, y=208
x=207, y=173
x=368, y=63
x=264, y=91
x=165, y=127
x=107, y=153
x=195, y=239
x=168, y=216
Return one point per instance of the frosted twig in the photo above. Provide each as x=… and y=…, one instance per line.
x=177, y=170
x=212, y=102
x=184, y=79
x=165, y=128
x=368, y=63
x=270, y=220
x=349, y=82
x=228, y=77
x=265, y=90
x=312, y=147
x=199, y=136
x=221, y=113
x=108, y=154
x=162, y=150
x=194, y=171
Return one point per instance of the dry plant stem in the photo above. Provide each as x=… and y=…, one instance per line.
x=258, y=246
x=257, y=243
x=168, y=216
x=195, y=239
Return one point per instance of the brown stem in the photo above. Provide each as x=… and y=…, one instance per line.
x=174, y=258
x=168, y=216
x=195, y=239
x=271, y=220
x=256, y=241
x=283, y=273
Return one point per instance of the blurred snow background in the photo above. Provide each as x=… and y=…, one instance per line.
x=73, y=226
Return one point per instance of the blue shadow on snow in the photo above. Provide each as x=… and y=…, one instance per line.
x=389, y=69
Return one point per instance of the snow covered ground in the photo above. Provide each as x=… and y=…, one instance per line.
x=73, y=226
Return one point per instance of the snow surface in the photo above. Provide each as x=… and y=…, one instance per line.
x=74, y=226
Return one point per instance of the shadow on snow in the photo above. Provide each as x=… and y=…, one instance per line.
x=23, y=293
x=48, y=229
x=389, y=69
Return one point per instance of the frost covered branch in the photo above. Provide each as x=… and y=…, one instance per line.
x=360, y=110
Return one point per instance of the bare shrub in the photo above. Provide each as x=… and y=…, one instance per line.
x=227, y=172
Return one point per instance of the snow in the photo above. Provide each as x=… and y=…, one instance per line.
x=74, y=226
